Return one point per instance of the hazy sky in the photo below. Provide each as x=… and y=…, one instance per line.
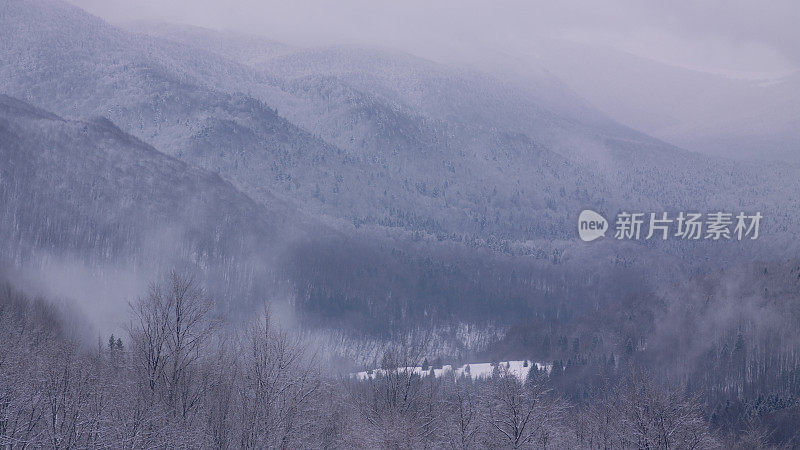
x=724, y=36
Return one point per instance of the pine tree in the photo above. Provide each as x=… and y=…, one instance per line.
x=533, y=374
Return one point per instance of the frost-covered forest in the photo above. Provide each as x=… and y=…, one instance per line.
x=211, y=239
x=182, y=381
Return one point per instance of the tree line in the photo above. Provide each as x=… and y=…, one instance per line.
x=185, y=379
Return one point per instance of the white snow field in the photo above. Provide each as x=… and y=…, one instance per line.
x=475, y=371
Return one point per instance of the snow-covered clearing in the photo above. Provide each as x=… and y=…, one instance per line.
x=475, y=371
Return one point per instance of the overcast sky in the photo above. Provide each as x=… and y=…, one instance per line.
x=755, y=38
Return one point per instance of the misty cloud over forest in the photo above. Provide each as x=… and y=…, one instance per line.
x=355, y=224
x=714, y=36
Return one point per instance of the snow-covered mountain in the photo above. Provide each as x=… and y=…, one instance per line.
x=378, y=104
x=84, y=196
x=378, y=145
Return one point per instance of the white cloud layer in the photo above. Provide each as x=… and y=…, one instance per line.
x=739, y=37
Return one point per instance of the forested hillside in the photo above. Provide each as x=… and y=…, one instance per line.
x=387, y=210
x=85, y=194
x=369, y=137
x=180, y=381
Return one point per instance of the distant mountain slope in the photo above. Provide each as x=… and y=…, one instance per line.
x=366, y=137
x=539, y=106
x=699, y=111
x=370, y=101
x=84, y=198
x=381, y=141
x=246, y=49
x=84, y=193
x=409, y=177
x=59, y=57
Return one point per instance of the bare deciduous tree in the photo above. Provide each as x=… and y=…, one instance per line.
x=171, y=328
x=464, y=412
x=399, y=407
x=279, y=389
x=660, y=417
x=520, y=414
